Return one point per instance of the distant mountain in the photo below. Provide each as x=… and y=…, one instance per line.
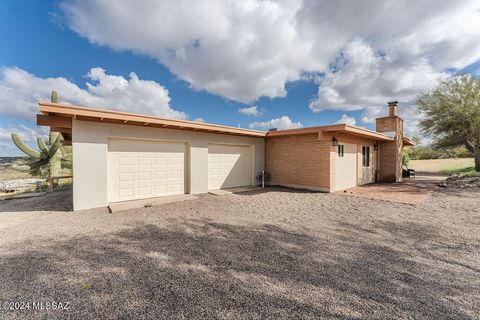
x=8, y=160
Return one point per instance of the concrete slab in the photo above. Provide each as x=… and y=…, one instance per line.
x=150, y=202
x=223, y=192
x=410, y=191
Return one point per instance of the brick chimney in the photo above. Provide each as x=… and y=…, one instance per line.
x=392, y=108
x=390, y=152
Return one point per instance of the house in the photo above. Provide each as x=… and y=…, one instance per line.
x=120, y=156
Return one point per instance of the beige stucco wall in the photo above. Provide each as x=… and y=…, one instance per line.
x=363, y=177
x=90, y=150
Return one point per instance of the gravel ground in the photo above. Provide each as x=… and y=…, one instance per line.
x=269, y=254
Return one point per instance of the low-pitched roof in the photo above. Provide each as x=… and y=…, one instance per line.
x=126, y=118
x=408, y=142
x=59, y=117
x=334, y=128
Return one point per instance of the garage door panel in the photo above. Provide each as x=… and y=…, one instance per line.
x=229, y=166
x=144, y=169
x=125, y=161
x=143, y=161
x=125, y=176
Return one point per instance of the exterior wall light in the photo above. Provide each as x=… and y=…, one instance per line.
x=334, y=142
x=375, y=146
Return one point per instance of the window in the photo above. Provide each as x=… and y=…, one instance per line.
x=341, y=150
x=365, y=156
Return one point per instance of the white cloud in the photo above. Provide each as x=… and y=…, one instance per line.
x=27, y=134
x=347, y=120
x=364, y=78
x=244, y=50
x=282, y=123
x=199, y=120
x=20, y=91
x=250, y=111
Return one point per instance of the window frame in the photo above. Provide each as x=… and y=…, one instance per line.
x=366, y=156
x=341, y=150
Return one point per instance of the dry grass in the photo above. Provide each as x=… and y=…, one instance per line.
x=439, y=165
x=8, y=173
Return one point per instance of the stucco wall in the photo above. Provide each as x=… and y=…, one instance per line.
x=90, y=150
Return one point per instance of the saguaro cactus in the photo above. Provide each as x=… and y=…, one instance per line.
x=49, y=153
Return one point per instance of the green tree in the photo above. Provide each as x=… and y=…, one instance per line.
x=452, y=114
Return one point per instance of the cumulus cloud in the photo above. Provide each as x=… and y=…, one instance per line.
x=347, y=120
x=282, y=123
x=20, y=91
x=243, y=50
x=365, y=78
x=28, y=134
x=250, y=111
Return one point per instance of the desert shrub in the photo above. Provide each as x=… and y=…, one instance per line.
x=428, y=152
x=405, y=159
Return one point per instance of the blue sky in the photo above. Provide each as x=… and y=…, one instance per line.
x=312, y=79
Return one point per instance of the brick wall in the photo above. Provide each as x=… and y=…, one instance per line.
x=390, y=153
x=298, y=160
x=304, y=160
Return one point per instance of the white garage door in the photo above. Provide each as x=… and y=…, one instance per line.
x=229, y=166
x=346, y=166
x=144, y=169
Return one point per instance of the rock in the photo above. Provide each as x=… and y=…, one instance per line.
x=12, y=185
x=442, y=185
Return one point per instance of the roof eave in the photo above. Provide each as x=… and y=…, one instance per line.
x=109, y=116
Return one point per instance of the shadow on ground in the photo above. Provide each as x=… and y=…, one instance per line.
x=201, y=269
x=59, y=200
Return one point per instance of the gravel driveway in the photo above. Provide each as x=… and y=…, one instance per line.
x=269, y=254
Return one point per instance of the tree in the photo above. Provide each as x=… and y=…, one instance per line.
x=452, y=114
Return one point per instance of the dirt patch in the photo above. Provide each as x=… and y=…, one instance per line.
x=60, y=200
x=410, y=191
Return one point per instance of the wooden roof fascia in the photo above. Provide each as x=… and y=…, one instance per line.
x=129, y=117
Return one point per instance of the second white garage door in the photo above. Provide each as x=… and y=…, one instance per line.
x=229, y=166
x=140, y=169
